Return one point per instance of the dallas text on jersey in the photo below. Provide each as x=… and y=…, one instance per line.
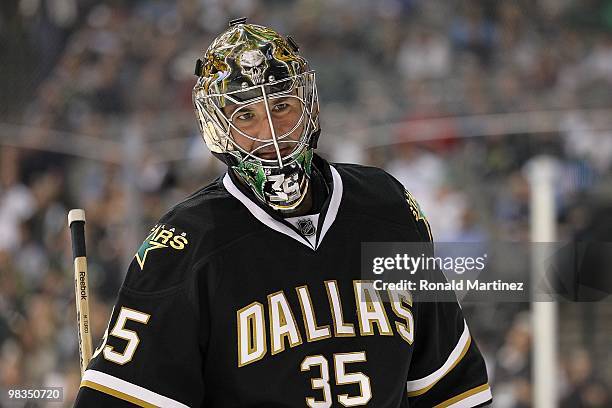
x=282, y=324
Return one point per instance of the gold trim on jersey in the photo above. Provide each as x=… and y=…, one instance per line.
x=252, y=332
x=354, y=400
x=370, y=310
x=463, y=396
x=117, y=394
x=286, y=321
x=309, y=317
x=126, y=391
x=405, y=330
x=464, y=351
x=341, y=328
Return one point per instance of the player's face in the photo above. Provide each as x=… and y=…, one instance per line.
x=251, y=126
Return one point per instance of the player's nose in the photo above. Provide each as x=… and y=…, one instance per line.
x=264, y=132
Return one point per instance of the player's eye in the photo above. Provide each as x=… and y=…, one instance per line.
x=245, y=116
x=280, y=107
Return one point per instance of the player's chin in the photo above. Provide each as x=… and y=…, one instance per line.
x=272, y=155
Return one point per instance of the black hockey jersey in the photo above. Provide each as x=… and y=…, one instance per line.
x=227, y=305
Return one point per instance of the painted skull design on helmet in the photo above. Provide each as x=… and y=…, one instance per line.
x=253, y=64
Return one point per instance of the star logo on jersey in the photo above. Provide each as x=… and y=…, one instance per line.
x=417, y=212
x=160, y=237
x=148, y=245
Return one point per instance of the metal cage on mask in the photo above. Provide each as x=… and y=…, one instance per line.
x=217, y=126
x=282, y=181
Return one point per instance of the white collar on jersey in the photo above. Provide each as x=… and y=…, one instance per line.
x=268, y=220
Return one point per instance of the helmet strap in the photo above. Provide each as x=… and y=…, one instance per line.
x=314, y=138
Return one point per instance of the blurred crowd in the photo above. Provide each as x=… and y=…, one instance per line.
x=101, y=119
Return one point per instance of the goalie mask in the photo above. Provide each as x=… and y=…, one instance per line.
x=257, y=108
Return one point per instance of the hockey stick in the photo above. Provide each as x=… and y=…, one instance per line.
x=76, y=223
